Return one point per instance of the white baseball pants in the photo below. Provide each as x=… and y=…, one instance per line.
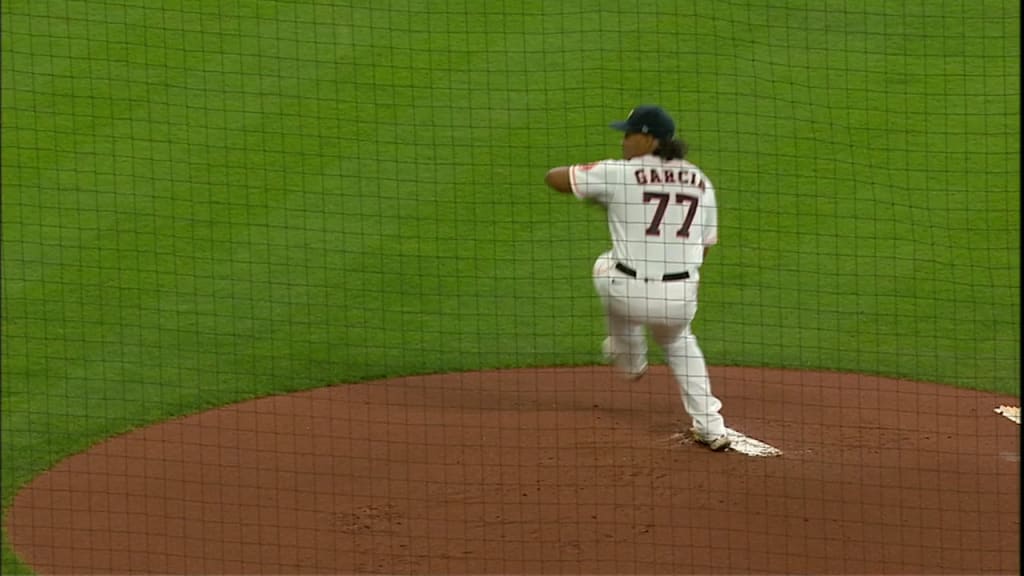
x=667, y=308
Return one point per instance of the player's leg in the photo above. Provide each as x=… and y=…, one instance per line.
x=626, y=344
x=686, y=360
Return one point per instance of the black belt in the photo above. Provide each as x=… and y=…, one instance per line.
x=665, y=278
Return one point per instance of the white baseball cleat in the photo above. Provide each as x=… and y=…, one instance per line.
x=631, y=375
x=720, y=443
x=611, y=358
x=606, y=351
x=716, y=443
x=638, y=374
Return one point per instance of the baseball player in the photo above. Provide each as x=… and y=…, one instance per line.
x=663, y=218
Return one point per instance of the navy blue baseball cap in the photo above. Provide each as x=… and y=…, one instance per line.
x=648, y=119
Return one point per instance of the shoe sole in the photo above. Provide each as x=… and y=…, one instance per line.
x=633, y=376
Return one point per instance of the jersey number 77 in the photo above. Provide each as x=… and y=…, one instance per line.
x=654, y=229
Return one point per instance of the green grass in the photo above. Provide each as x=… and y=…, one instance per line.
x=207, y=201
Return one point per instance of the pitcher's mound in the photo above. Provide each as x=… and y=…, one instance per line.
x=534, y=471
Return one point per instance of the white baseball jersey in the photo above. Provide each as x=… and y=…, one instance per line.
x=661, y=214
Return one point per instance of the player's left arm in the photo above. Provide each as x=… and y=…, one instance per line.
x=586, y=181
x=559, y=179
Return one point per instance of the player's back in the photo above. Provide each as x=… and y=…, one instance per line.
x=661, y=215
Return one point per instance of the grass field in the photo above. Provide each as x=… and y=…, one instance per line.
x=206, y=201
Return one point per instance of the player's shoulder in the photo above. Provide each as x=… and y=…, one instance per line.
x=611, y=162
x=603, y=166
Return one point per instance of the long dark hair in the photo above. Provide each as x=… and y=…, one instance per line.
x=674, y=149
